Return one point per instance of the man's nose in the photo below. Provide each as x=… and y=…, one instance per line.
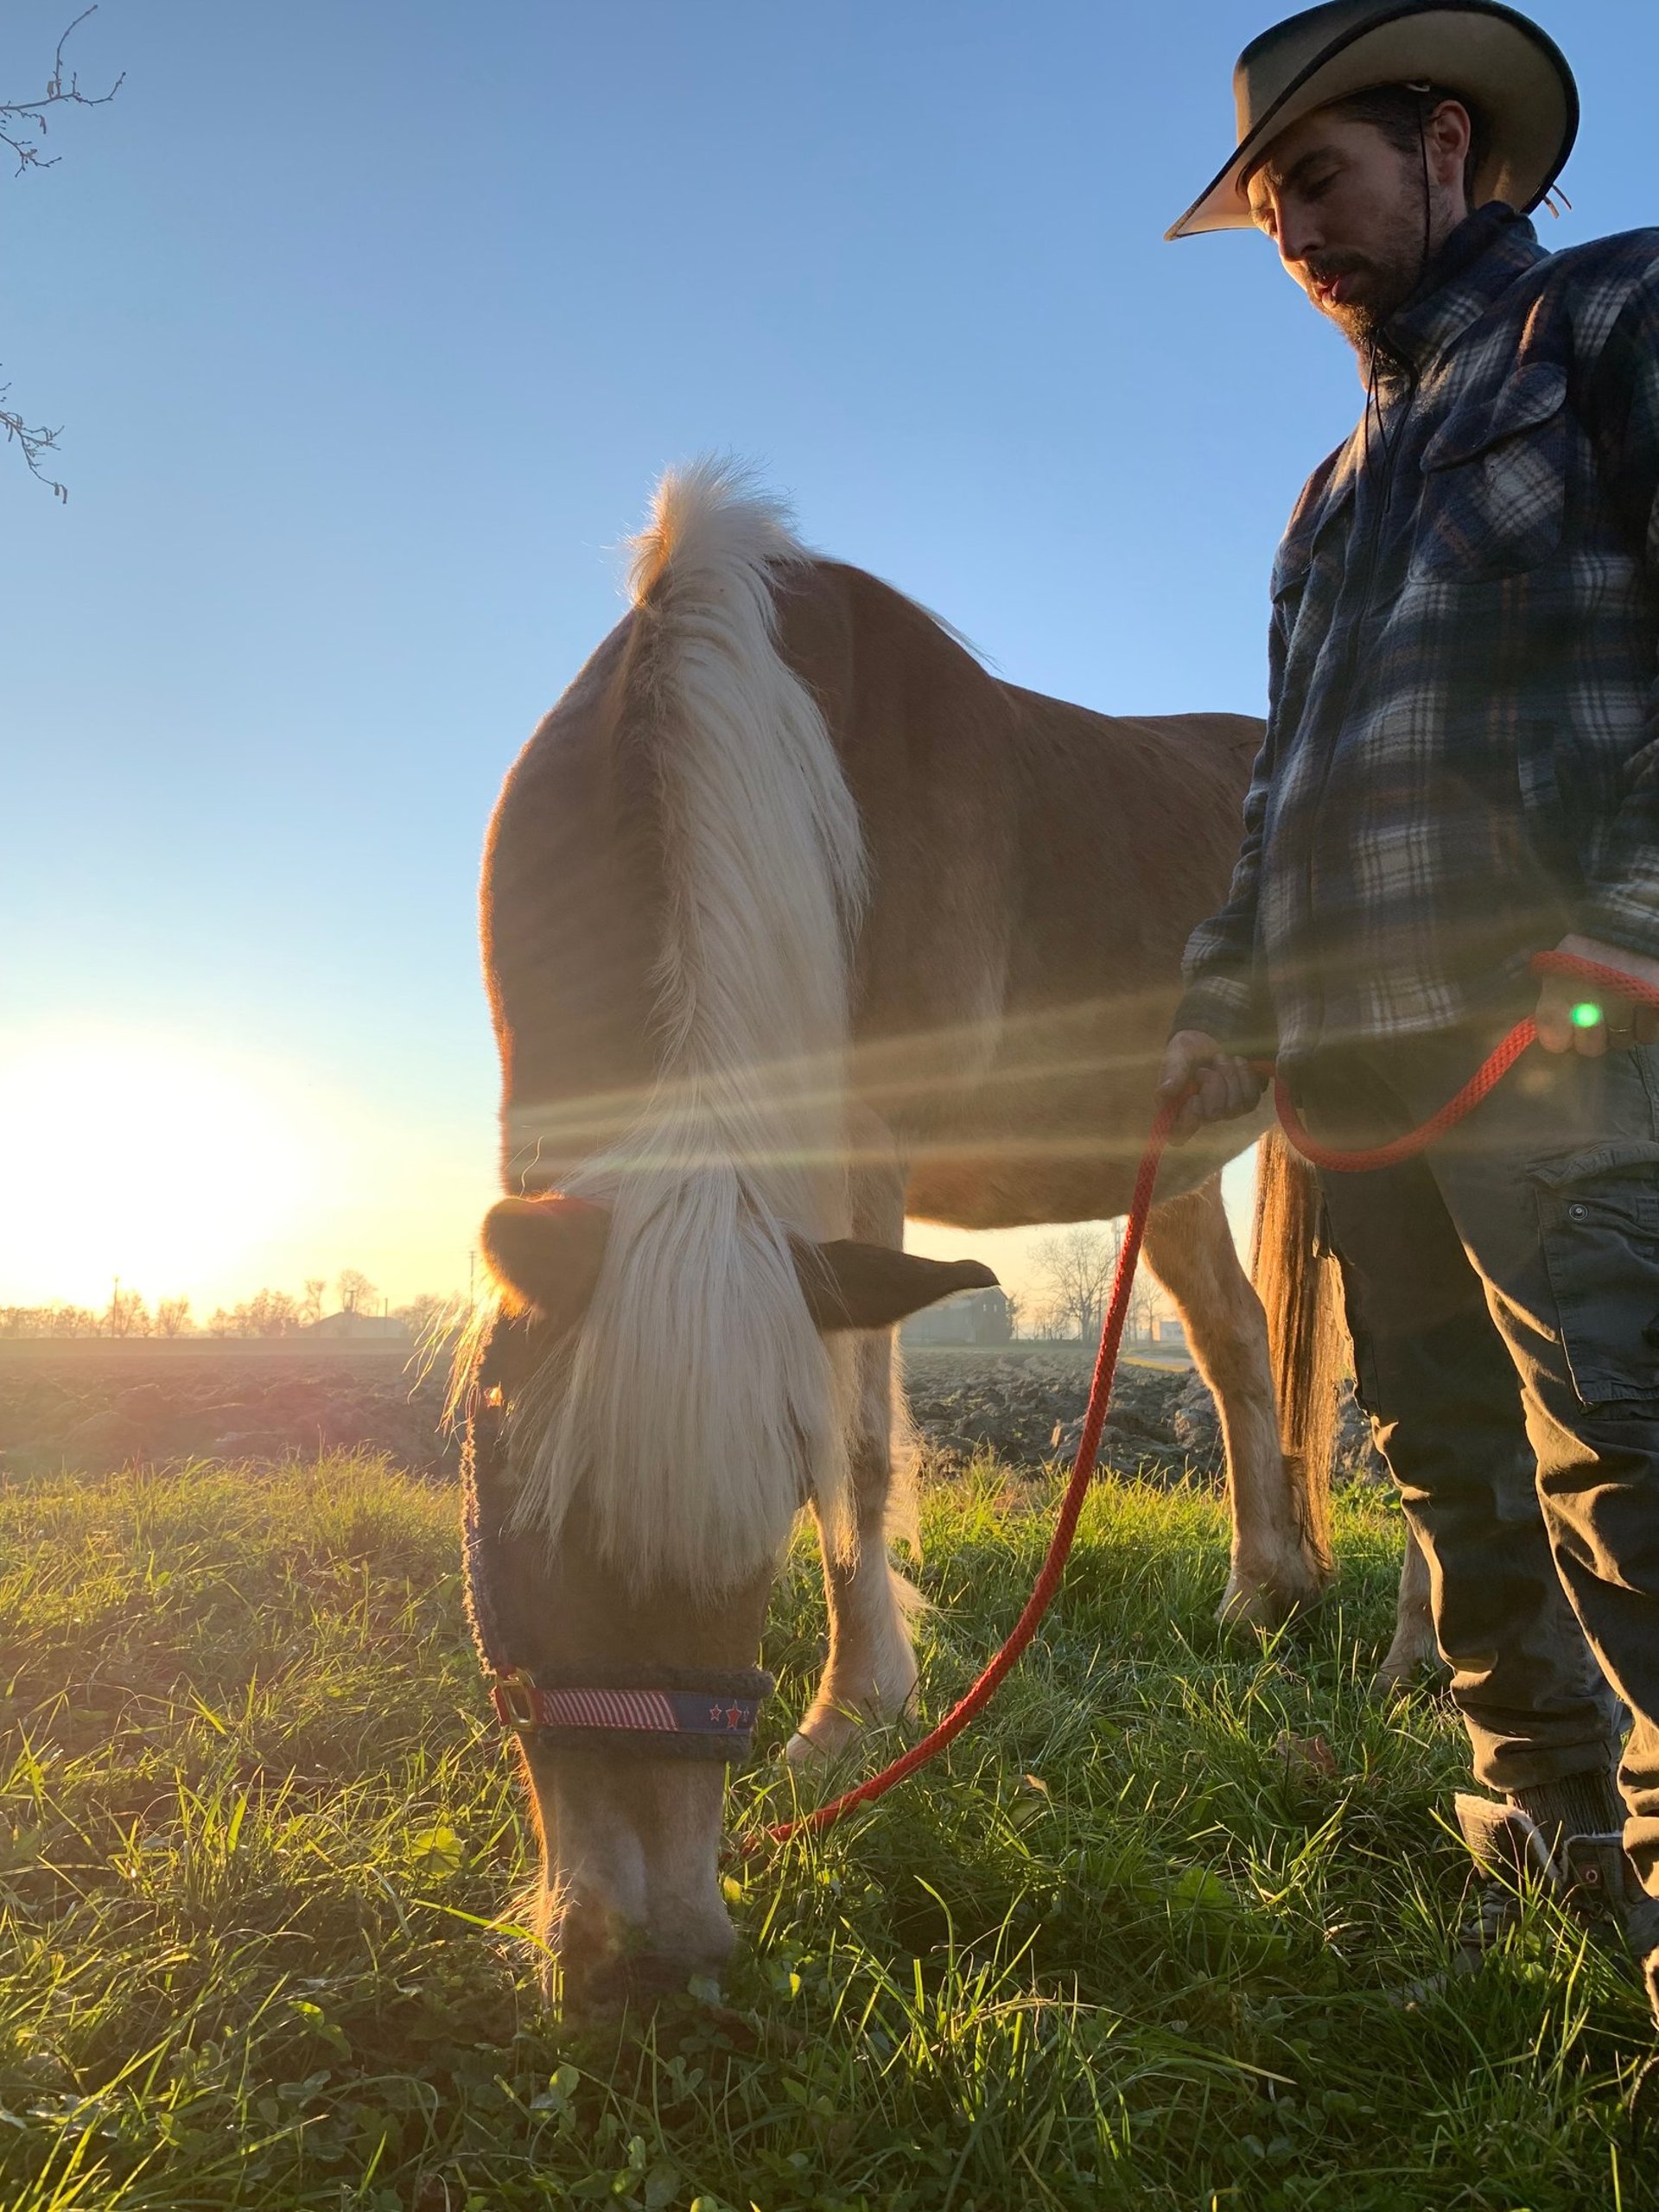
x=1298, y=236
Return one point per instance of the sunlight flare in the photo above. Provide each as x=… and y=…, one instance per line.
x=136, y=1157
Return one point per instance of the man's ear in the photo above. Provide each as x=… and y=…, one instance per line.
x=851, y=1285
x=546, y=1252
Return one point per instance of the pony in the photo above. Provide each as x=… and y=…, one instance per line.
x=796, y=920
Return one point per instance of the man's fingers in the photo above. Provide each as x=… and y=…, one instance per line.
x=1223, y=1088
x=1198, y=1108
x=1244, y=1087
x=1556, y=1032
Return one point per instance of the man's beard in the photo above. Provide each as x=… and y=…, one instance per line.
x=1390, y=276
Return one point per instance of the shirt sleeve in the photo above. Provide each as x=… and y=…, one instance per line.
x=1226, y=993
x=1621, y=895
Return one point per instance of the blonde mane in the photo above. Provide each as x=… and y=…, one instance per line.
x=696, y=1407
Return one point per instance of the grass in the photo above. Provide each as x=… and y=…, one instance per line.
x=1146, y=1938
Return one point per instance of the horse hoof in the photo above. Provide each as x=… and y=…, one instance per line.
x=1267, y=1604
x=1409, y=1666
x=820, y=1739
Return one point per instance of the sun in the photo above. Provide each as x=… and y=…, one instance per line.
x=138, y=1157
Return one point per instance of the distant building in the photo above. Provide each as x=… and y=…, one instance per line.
x=973, y=1317
x=361, y=1328
x=1166, y=1329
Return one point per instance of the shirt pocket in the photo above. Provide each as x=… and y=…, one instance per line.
x=1494, y=497
x=1599, y=1221
x=1309, y=559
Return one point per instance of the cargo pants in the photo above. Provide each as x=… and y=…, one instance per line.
x=1503, y=1292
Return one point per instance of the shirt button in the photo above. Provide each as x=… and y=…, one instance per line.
x=1577, y=1212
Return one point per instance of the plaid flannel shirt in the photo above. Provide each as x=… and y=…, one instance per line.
x=1462, y=755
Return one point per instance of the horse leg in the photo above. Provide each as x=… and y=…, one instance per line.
x=870, y=1675
x=1278, y=1562
x=1414, y=1650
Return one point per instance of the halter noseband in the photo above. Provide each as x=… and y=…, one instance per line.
x=713, y=1719
x=663, y=1711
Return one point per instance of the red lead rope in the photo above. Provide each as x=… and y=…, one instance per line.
x=1111, y=1336
x=1065, y=1529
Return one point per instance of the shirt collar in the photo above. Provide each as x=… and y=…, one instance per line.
x=1477, y=263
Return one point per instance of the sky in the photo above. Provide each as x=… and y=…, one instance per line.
x=370, y=328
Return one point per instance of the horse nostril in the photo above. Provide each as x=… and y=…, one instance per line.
x=605, y=1967
x=601, y=1985
x=661, y=1974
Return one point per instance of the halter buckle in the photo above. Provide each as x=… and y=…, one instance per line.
x=513, y=1696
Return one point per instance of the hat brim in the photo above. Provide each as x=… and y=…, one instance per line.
x=1507, y=68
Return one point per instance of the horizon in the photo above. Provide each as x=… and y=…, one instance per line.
x=370, y=337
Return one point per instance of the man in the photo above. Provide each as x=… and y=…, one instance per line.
x=1461, y=769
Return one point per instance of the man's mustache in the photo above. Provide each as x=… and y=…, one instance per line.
x=1325, y=268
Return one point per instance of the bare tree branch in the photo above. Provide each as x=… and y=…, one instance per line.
x=34, y=444
x=24, y=127
x=24, y=123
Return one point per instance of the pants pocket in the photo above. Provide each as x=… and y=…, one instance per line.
x=1599, y=1224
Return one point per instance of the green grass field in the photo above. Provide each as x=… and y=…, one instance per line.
x=1147, y=1938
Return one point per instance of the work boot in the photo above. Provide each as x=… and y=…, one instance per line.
x=1589, y=1875
x=1510, y=1851
x=1566, y=1837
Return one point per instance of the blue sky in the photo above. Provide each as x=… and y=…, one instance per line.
x=370, y=328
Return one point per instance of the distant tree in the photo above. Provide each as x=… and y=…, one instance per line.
x=25, y=127
x=269, y=1313
x=1074, y=1270
x=173, y=1317
x=1146, y=1302
x=311, y=1304
x=126, y=1315
x=68, y=1321
x=357, y=1293
x=1047, y=1322
x=1016, y=1306
x=429, y=1316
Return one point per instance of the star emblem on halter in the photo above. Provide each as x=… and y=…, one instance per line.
x=731, y=1715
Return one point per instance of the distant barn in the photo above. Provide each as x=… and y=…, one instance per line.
x=975, y=1317
x=361, y=1328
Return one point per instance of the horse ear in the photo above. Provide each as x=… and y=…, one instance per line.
x=849, y=1286
x=546, y=1252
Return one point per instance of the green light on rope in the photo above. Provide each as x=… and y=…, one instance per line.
x=1587, y=1014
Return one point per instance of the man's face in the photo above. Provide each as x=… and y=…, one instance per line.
x=1346, y=210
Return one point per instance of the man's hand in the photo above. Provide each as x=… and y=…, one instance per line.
x=1562, y=1002
x=1227, y=1086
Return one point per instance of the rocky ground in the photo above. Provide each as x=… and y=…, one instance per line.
x=222, y=1401
x=1026, y=1403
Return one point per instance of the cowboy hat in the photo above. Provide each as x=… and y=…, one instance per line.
x=1512, y=74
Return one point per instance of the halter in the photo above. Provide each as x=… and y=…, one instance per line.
x=657, y=1713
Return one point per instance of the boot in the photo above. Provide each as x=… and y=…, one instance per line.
x=1566, y=1837
x=1511, y=1851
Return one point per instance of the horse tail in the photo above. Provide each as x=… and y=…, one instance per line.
x=696, y=1405
x=1306, y=1340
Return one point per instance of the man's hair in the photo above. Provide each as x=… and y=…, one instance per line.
x=1401, y=112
